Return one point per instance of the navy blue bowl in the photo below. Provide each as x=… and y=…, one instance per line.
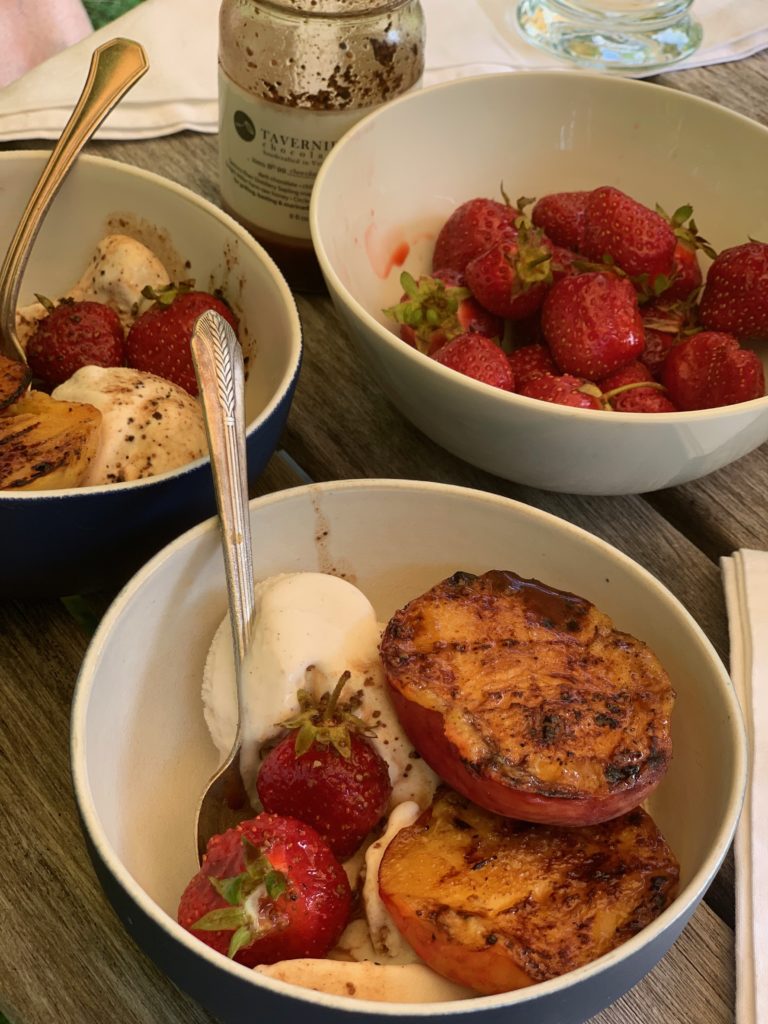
x=79, y=540
x=82, y=540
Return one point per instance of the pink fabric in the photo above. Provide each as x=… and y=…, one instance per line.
x=33, y=30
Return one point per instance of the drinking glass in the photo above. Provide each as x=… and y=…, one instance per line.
x=612, y=35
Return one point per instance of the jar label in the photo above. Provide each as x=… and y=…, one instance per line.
x=269, y=156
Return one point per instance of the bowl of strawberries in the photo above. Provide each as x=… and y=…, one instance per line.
x=575, y=301
x=464, y=758
x=103, y=456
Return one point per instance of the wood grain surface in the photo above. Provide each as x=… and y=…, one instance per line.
x=64, y=956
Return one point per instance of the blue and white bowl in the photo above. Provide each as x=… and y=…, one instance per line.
x=59, y=542
x=141, y=753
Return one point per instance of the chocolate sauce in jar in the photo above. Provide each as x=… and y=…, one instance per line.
x=294, y=75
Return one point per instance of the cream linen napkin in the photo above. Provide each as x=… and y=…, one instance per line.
x=180, y=36
x=745, y=581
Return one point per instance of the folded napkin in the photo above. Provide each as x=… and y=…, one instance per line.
x=180, y=36
x=745, y=580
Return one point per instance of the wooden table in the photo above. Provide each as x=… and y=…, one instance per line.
x=63, y=953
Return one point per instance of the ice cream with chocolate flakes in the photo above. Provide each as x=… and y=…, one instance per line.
x=149, y=425
x=117, y=272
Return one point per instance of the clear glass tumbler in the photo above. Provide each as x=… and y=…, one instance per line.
x=612, y=35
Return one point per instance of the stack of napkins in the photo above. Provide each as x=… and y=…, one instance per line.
x=466, y=37
x=745, y=579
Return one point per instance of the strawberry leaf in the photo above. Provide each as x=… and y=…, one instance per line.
x=327, y=722
x=233, y=890
x=223, y=920
x=409, y=285
x=305, y=737
x=681, y=215
x=243, y=937
x=429, y=305
x=45, y=301
x=275, y=883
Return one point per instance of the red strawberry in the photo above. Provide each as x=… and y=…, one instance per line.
x=476, y=356
x=563, y=389
x=560, y=215
x=735, y=297
x=72, y=335
x=624, y=391
x=326, y=773
x=644, y=400
x=636, y=238
x=686, y=274
x=592, y=324
x=686, y=277
x=470, y=230
x=524, y=332
x=564, y=262
x=530, y=361
x=158, y=342
x=511, y=278
x=663, y=322
x=435, y=309
x=658, y=345
x=269, y=889
x=633, y=373
x=710, y=369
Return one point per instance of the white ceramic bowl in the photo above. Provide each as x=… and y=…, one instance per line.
x=389, y=184
x=68, y=541
x=141, y=753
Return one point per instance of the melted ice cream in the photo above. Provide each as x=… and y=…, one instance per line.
x=116, y=274
x=148, y=425
x=308, y=629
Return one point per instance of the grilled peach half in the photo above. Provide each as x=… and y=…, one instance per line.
x=527, y=700
x=497, y=904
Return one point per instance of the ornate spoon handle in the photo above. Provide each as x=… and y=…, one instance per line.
x=218, y=361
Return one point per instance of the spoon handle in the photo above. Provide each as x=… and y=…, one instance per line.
x=115, y=67
x=218, y=360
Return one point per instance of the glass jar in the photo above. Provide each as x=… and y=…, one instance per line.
x=294, y=75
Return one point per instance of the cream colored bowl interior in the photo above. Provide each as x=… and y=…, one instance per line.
x=388, y=185
x=141, y=752
x=194, y=239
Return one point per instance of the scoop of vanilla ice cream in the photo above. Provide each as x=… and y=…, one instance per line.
x=308, y=629
x=149, y=425
x=116, y=274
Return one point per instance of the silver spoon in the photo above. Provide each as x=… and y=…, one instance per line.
x=115, y=68
x=218, y=360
